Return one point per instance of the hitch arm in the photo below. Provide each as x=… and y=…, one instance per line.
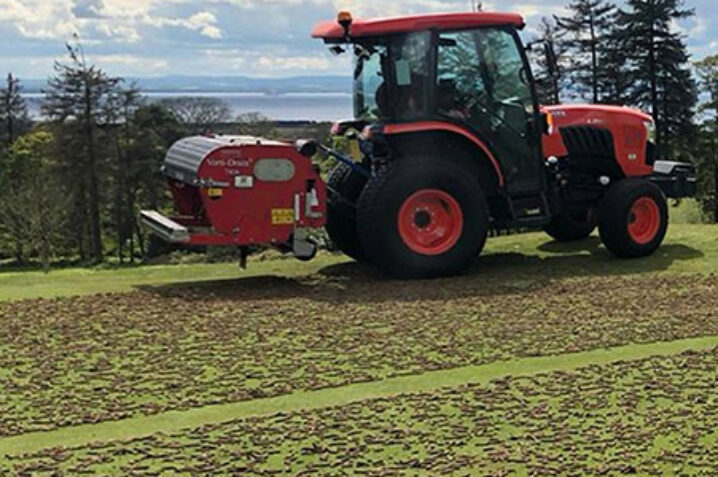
x=344, y=160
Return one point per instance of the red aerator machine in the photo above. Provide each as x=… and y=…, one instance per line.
x=241, y=191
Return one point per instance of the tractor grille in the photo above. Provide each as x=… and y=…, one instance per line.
x=588, y=141
x=591, y=148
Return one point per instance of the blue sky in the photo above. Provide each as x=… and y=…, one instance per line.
x=221, y=37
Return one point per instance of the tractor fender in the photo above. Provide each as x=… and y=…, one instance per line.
x=463, y=135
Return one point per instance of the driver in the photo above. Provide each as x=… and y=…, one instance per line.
x=448, y=100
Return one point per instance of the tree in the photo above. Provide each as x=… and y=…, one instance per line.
x=586, y=32
x=199, y=115
x=155, y=129
x=658, y=73
x=33, y=203
x=13, y=111
x=119, y=110
x=549, y=87
x=707, y=70
x=614, y=84
x=255, y=124
x=76, y=97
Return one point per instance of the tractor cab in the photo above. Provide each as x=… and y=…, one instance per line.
x=466, y=71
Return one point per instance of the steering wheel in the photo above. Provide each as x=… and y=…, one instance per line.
x=473, y=102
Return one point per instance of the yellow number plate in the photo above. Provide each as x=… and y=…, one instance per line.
x=282, y=216
x=215, y=192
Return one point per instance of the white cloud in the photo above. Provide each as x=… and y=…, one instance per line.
x=121, y=33
x=203, y=22
x=116, y=19
x=38, y=19
x=253, y=37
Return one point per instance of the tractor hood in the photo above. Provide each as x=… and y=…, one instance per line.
x=594, y=114
x=587, y=130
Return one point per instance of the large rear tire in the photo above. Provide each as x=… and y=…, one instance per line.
x=574, y=225
x=633, y=218
x=422, y=218
x=345, y=187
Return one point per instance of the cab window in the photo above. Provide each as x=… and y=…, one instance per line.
x=481, y=71
x=505, y=68
x=459, y=81
x=392, y=77
x=410, y=61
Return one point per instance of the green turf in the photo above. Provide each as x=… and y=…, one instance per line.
x=173, y=348
x=86, y=281
x=616, y=412
x=177, y=420
x=688, y=248
x=205, y=342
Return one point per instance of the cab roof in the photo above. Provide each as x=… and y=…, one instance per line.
x=367, y=27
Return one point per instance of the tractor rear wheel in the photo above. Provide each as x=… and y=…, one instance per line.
x=422, y=218
x=633, y=218
x=573, y=225
x=345, y=185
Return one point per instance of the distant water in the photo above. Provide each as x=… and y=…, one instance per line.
x=280, y=107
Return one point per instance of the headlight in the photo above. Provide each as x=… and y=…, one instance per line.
x=651, y=130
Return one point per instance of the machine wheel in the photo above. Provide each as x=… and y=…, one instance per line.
x=633, y=218
x=422, y=218
x=341, y=210
x=572, y=225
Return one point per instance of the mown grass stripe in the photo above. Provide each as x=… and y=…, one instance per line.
x=173, y=421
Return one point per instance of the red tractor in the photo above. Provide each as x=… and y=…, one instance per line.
x=449, y=144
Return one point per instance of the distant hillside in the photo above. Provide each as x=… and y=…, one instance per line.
x=228, y=84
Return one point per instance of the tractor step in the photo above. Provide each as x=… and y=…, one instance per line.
x=164, y=227
x=537, y=222
x=529, y=208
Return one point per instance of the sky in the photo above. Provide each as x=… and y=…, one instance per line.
x=230, y=37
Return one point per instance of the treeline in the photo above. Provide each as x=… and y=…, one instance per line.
x=72, y=184
x=634, y=55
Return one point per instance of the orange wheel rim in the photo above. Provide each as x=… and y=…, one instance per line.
x=644, y=220
x=430, y=222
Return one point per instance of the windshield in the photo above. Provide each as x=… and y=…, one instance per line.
x=478, y=72
x=402, y=61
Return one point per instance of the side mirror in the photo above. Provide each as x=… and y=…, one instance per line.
x=551, y=60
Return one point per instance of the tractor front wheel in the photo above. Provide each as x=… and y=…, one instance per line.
x=422, y=218
x=633, y=218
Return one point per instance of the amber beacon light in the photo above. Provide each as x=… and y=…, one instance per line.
x=344, y=18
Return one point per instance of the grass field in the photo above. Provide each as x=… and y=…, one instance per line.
x=654, y=416
x=689, y=248
x=140, y=350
